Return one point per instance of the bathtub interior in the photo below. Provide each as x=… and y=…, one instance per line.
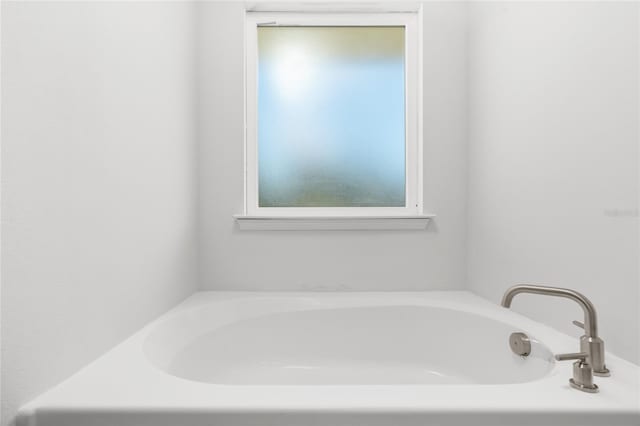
x=272, y=344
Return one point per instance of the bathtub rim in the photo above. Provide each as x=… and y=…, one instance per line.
x=104, y=377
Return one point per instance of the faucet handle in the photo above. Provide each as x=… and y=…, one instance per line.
x=582, y=371
x=580, y=356
x=578, y=324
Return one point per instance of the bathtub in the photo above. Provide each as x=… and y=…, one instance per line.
x=336, y=359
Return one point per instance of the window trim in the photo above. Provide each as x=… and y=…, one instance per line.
x=413, y=115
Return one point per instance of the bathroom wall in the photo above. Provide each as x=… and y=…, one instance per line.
x=337, y=260
x=553, y=155
x=530, y=124
x=98, y=181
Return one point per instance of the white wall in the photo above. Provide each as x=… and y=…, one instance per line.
x=384, y=260
x=98, y=175
x=553, y=158
x=108, y=202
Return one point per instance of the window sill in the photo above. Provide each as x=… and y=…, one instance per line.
x=325, y=223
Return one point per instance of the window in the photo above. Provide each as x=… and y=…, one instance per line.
x=332, y=115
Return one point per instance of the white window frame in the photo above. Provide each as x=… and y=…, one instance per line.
x=413, y=131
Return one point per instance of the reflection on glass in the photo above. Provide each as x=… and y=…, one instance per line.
x=331, y=117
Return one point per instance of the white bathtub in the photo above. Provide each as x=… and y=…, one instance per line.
x=249, y=359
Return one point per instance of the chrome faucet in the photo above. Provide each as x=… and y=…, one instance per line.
x=591, y=355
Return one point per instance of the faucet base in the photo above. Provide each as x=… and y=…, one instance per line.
x=594, y=346
x=590, y=389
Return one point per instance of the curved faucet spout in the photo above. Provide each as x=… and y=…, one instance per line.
x=590, y=318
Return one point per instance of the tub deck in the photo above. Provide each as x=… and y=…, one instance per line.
x=125, y=388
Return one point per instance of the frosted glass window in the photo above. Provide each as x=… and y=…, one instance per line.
x=331, y=116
